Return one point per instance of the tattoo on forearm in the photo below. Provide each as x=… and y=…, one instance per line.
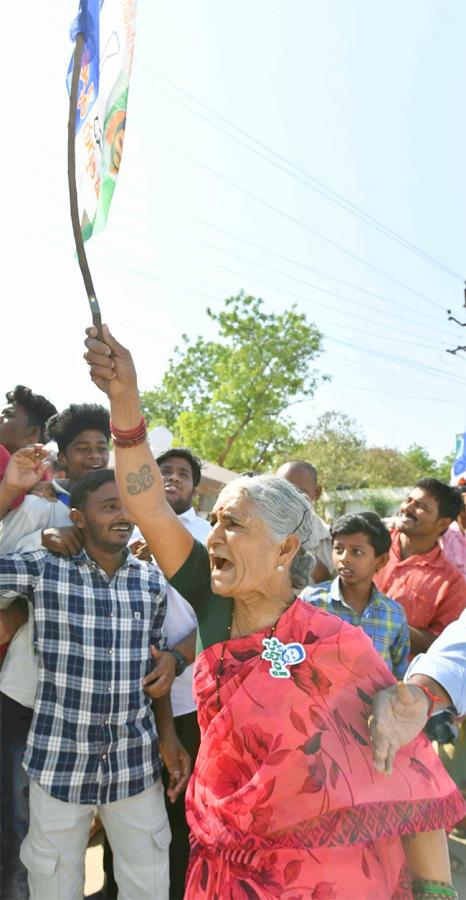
x=140, y=481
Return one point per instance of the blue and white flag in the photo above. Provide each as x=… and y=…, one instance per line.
x=108, y=27
x=458, y=469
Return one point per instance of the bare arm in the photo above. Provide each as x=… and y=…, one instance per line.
x=427, y=855
x=160, y=680
x=175, y=758
x=420, y=639
x=12, y=618
x=141, y=487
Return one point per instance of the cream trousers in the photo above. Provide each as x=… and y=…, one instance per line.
x=54, y=849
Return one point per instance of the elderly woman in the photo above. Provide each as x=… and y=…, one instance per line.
x=284, y=801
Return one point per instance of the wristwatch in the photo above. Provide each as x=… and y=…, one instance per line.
x=181, y=662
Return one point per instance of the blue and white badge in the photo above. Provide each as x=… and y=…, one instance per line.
x=282, y=655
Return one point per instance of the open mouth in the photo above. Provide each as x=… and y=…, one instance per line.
x=345, y=572
x=122, y=528
x=220, y=563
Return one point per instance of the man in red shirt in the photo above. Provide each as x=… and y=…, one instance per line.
x=418, y=575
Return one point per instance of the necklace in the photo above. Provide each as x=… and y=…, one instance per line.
x=221, y=667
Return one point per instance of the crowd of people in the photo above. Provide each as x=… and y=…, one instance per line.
x=246, y=706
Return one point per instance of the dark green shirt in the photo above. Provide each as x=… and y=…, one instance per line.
x=213, y=612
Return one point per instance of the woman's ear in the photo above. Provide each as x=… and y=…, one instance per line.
x=288, y=550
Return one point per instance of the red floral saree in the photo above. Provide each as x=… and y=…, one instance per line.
x=284, y=801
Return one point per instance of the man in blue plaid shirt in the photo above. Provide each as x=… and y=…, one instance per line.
x=93, y=739
x=360, y=545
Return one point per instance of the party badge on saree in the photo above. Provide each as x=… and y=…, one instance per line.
x=281, y=656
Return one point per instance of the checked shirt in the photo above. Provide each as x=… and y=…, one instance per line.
x=383, y=620
x=93, y=738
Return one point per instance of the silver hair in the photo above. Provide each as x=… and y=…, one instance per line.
x=284, y=509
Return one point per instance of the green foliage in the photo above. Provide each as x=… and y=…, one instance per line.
x=226, y=399
x=338, y=449
x=335, y=445
x=380, y=504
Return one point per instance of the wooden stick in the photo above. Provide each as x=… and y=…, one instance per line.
x=78, y=238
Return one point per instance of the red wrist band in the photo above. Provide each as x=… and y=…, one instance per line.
x=432, y=698
x=131, y=438
x=131, y=434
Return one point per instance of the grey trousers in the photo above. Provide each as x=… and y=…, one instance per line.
x=53, y=851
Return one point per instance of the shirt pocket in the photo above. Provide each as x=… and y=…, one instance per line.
x=418, y=607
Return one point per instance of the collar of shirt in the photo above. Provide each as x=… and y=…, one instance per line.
x=336, y=595
x=433, y=558
x=82, y=558
x=188, y=515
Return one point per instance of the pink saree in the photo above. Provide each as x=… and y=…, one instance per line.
x=284, y=801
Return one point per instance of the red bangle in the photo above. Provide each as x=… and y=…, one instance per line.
x=130, y=435
x=432, y=698
x=124, y=445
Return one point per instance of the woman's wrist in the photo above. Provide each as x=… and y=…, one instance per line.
x=126, y=410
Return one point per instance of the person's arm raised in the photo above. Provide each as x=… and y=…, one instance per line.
x=141, y=487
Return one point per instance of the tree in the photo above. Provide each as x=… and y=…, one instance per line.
x=388, y=467
x=227, y=399
x=423, y=464
x=335, y=445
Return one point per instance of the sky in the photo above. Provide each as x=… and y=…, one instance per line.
x=261, y=138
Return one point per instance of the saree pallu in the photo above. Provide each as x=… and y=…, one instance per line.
x=284, y=801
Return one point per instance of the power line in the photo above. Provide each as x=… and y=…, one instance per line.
x=390, y=357
x=281, y=256
x=311, y=285
x=315, y=185
x=300, y=224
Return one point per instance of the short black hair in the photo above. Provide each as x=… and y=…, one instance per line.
x=88, y=485
x=37, y=408
x=367, y=522
x=186, y=454
x=65, y=426
x=448, y=498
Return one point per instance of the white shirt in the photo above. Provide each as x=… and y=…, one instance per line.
x=20, y=532
x=181, y=619
x=320, y=545
x=445, y=662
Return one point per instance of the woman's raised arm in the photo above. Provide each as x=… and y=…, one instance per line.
x=141, y=487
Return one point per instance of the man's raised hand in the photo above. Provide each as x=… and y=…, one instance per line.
x=25, y=468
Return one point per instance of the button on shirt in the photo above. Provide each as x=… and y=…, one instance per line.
x=383, y=620
x=431, y=591
x=93, y=737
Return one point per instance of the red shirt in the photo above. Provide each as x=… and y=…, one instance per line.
x=431, y=590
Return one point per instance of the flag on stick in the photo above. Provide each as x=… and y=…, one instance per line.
x=458, y=469
x=98, y=82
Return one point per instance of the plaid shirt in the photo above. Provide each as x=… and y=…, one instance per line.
x=93, y=737
x=383, y=620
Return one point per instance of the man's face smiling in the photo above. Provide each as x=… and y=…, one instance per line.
x=104, y=520
x=419, y=515
x=88, y=452
x=178, y=480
